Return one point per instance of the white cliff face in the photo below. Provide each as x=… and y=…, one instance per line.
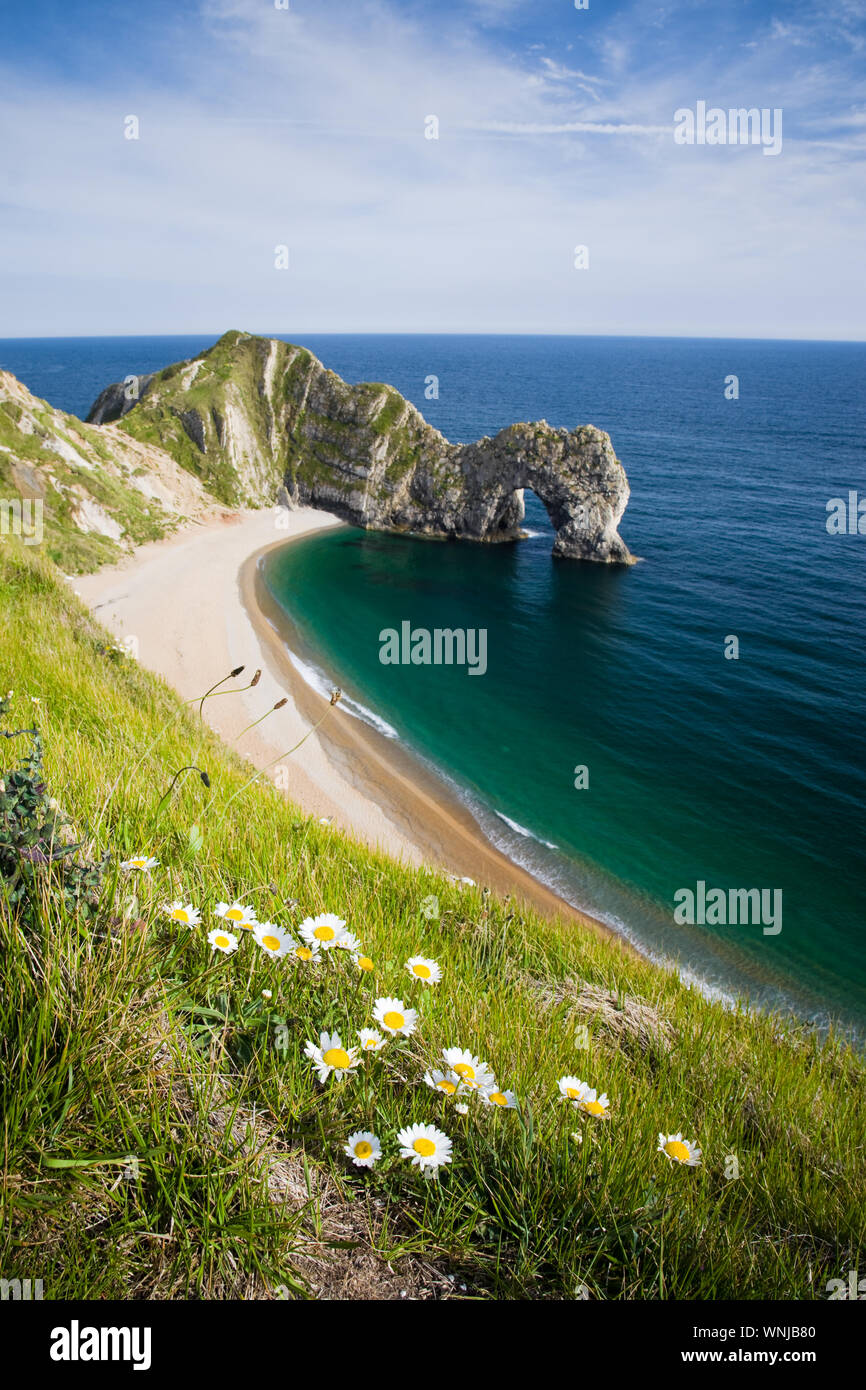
x=260, y=417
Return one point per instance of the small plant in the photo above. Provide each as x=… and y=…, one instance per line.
x=36, y=837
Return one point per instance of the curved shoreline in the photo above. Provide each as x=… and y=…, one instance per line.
x=422, y=807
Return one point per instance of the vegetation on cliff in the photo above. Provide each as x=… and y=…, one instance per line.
x=165, y=1133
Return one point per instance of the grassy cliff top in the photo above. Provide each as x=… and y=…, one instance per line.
x=165, y=1134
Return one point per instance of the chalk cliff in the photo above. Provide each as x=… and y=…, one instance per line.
x=256, y=419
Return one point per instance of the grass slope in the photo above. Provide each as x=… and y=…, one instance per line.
x=148, y=1088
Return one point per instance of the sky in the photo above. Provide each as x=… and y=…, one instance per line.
x=305, y=127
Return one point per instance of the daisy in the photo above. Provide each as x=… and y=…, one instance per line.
x=331, y=1056
x=308, y=955
x=223, y=940
x=594, y=1104
x=363, y=1148
x=364, y=963
x=571, y=1088
x=423, y=969
x=425, y=1145
x=462, y=1109
x=326, y=930
x=237, y=914
x=506, y=1100
x=394, y=1016
x=140, y=861
x=349, y=942
x=370, y=1039
x=679, y=1150
x=472, y=1073
x=448, y=1082
x=273, y=940
x=184, y=913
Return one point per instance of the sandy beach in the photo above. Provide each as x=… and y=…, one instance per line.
x=193, y=607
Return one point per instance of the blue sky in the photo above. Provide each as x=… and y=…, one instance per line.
x=262, y=127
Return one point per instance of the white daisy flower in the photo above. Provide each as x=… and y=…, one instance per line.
x=222, y=940
x=425, y=1145
x=593, y=1103
x=363, y=1148
x=679, y=1150
x=474, y=1074
x=273, y=940
x=237, y=914
x=331, y=1056
x=364, y=963
x=571, y=1088
x=395, y=1017
x=349, y=942
x=423, y=969
x=447, y=1082
x=462, y=1109
x=506, y=1100
x=371, y=1040
x=139, y=861
x=267, y=994
x=184, y=913
x=324, y=930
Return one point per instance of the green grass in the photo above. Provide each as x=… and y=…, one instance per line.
x=122, y=1033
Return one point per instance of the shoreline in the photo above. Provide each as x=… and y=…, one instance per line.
x=399, y=782
x=197, y=606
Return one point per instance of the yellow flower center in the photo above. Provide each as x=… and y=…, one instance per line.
x=393, y=1020
x=463, y=1069
x=677, y=1150
x=592, y=1107
x=324, y=933
x=137, y=863
x=571, y=1093
x=337, y=1058
x=498, y=1098
x=363, y=1149
x=365, y=963
x=304, y=953
x=422, y=971
x=180, y=915
x=371, y=1042
x=271, y=943
x=424, y=1147
x=221, y=941
x=446, y=1085
x=234, y=914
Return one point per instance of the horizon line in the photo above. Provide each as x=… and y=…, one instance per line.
x=430, y=333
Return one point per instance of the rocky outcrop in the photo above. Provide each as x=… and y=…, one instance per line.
x=256, y=417
x=90, y=494
x=117, y=399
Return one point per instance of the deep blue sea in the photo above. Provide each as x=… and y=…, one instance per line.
x=747, y=773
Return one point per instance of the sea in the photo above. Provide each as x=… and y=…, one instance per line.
x=643, y=738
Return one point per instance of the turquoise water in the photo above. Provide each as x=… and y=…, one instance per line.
x=742, y=774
